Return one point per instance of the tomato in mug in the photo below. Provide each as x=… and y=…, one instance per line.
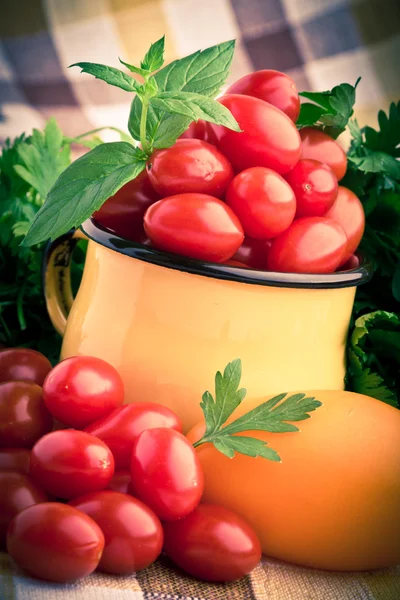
x=264, y=202
x=22, y=364
x=272, y=86
x=24, y=417
x=70, y=463
x=166, y=473
x=253, y=253
x=81, y=389
x=120, y=428
x=123, y=213
x=268, y=137
x=317, y=145
x=195, y=225
x=348, y=211
x=310, y=245
x=199, y=130
x=15, y=459
x=132, y=532
x=213, y=543
x=17, y=492
x=55, y=542
x=315, y=187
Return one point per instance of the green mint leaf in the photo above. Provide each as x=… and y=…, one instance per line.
x=195, y=106
x=151, y=87
x=83, y=187
x=132, y=68
x=253, y=447
x=110, y=75
x=154, y=59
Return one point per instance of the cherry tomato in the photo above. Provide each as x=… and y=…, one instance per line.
x=320, y=146
x=189, y=166
x=253, y=253
x=315, y=187
x=264, y=202
x=123, y=213
x=120, y=482
x=21, y=364
x=55, y=542
x=194, y=225
x=349, y=213
x=199, y=130
x=310, y=245
x=235, y=263
x=166, y=473
x=213, y=543
x=268, y=137
x=15, y=459
x=352, y=263
x=120, y=428
x=17, y=492
x=24, y=417
x=81, y=389
x=133, y=533
x=69, y=463
x=272, y=86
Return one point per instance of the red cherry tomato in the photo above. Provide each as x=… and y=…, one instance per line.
x=120, y=428
x=352, y=263
x=315, y=187
x=310, y=245
x=133, y=533
x=166, y=473
x=17, y=492
x=213, y=543
x=21, y=364
x=320, y=146
x=189, y=166
x=69, y=463
x=235, y=263
x=120, y=482
x=15, y=459
x=24, y=417
x=253, y=253
x=349, y=213
x=264, y=202
x=199, y=130
x=268, y=137
x=194, y=225
x=123, y=213
x=81, y=389
x=55, y=542
x=272, y=86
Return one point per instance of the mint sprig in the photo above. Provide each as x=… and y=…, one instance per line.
x=110, y=75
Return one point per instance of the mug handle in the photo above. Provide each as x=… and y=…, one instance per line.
x=56, y=277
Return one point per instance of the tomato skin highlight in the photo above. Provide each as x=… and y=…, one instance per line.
x=194, y=225
x=348, y=212
x=24, y=417
x=271, y=86
x=264, y=202
x=189, y=166
x=15, y=459
x=310, y=245
x=55, y=542
x=22, y=364
x=166, y=473
x=317, y=145
x=133, y=533
x=69, y=463
x=213, y=543
x=315, y=187
x=268, y=137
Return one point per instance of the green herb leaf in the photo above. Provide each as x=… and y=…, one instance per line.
x=378, y=162
x=110, y=75
x=245, y=445
x=154, y=59
x=309, y=114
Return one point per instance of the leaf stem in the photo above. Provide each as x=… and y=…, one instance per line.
x=143, y=124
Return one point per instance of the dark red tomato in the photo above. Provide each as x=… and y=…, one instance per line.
x=120, y=482
x=120, y=428
x=69, y=463
x=268, y=137
x=21, y=364
x=320, y=146
x=189, y=166
x=199, y=130
x=24, y=417
x=123, y=213
x=264, y=202
x=349, y=213
x=315, y=187
x=272, y=86
x=17, y=492
x=310, y=245
x=166, y=473
x=81, y=389
x=55, y=542
x=253, y=253
x=213, y=543
x=352, y=263
x=15, y=459
x=133, y=533
x=194, y=225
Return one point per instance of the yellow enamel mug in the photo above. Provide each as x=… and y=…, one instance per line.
x=168, y=323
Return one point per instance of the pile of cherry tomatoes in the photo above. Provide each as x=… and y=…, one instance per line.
x=265, y=198
x=88, y=483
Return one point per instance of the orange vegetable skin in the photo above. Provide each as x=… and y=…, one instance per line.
x=333, y=502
